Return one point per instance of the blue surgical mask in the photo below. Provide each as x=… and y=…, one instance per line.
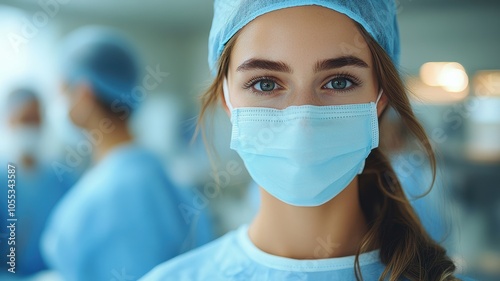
x=304, y=155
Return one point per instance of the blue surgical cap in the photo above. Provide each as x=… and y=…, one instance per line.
x=378, y=17
x=103, y=58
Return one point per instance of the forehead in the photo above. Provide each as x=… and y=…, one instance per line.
x=301, y=34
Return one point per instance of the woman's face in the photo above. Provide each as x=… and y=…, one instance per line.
x=302, y=55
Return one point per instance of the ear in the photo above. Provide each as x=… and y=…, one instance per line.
x=382, y=104
x=224, y=105
x=84, y=103
x=223, y=100
x=87, y=96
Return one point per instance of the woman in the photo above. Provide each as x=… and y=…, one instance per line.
x=304, y=83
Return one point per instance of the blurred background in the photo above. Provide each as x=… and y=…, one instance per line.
x=450, y=59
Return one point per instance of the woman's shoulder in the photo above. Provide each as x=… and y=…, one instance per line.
x=198, y=264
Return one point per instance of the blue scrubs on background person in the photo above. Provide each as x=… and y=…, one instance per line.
x=124, y=216
x=36, y=188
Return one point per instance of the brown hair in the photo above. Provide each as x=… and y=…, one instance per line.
x=405, y=247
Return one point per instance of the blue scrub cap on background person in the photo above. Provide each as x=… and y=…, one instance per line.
x=378, y=17
x=105, y=59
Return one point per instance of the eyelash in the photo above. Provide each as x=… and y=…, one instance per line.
x=252, y=82
x=354, y=80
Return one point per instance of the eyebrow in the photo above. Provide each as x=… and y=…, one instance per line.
x=263, y=64
x=340, y=62
x=253, y=64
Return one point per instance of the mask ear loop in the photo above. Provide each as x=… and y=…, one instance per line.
x=226, y=94
x=376, y=102
x=379, y=95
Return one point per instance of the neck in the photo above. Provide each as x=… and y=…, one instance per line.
x=334, y=229
x=119, y=136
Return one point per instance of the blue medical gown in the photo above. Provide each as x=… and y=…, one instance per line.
x=234, y=257
x=37, y=191
x=120, y=220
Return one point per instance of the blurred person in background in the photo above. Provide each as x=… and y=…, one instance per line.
x=37, y=187
x=123, y=217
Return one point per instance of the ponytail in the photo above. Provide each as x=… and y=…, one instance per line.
x=406, y=248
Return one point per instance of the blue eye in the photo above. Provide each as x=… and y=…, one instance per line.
x=339, y=83
x=265, y=85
